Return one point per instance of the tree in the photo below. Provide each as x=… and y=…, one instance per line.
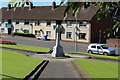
x=106, y=9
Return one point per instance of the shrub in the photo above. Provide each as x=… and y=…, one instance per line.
x=7, y=42
x=24, y=34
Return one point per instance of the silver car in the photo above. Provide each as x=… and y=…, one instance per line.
x=100, y=49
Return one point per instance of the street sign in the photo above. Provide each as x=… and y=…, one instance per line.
x=9, y=25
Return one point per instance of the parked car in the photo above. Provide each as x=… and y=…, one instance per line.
x=100, y=49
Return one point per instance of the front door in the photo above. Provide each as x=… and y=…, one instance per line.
x=99, y=50
x=9, y=31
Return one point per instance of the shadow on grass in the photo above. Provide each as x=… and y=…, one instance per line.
x=7, y=77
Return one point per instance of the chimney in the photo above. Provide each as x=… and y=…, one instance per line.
x=31, y=6
x=53, y=5
x=9, y=7
x=83, y=5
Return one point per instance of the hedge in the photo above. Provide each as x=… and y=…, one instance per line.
x=24, y=34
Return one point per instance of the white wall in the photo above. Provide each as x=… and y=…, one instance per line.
x=45, y=28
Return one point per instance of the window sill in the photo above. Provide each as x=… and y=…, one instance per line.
x=82, y=39
x=68, y=38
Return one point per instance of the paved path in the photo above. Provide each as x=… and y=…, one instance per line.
x=60, y=69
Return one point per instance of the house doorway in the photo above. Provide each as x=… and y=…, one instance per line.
x=9, y=31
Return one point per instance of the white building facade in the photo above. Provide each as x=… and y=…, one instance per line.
x=40, y=20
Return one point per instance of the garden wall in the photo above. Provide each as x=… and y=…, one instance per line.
x=113, y=42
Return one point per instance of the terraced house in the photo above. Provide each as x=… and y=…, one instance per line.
x=40, y=20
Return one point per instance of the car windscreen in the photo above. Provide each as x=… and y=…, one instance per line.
x=104, y=47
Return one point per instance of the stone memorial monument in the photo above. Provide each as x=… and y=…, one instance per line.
x=58, y=49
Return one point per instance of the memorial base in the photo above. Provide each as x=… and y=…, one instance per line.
x=58, y=51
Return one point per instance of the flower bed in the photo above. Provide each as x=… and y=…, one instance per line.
x=7, y=42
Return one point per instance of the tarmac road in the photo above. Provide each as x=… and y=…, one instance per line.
x=67, y=46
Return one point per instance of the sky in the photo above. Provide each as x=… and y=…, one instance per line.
x=3, y=3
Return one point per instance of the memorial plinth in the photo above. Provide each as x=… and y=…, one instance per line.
x=58, y=49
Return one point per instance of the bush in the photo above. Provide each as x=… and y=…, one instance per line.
x=7, y=42
x=24, y=34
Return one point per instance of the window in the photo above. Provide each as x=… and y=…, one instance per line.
x=9, y=21
x=48, y=23
x=69, y=23
x=83, y=23
x=93, y=46
x=17, y=21
x=37, y=33
x=98, y=47
x=69, y=35
x=37, y=23
x=58, y=22
x=2, y=30
x=26, y=31
x=48, y=33
x=104, y=47
x=16, y=30
x=26, y=22
x=82, y=35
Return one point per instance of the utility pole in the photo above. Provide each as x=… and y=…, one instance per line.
x=76, y=34
x=99, y=36
x=12, y=21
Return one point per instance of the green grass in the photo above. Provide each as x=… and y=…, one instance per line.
x=98, y=56
x=0, y=63
x=28, y=48
x=17, y=65
x=98, y=69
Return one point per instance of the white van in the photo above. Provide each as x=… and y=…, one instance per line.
x=100, y=49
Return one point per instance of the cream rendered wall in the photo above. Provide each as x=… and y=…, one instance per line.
x=21, y=26
x=3, y=26
x=72, y=29
x=43, y=25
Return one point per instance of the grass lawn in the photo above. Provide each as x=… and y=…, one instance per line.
x=28, y=48
x=17, y=65
x=99, y=69
x=0, y=64
x=98, y=56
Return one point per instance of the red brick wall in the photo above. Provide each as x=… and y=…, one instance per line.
x=96, y=26
x=112, y=42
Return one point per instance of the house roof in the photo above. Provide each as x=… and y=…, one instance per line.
x=46, y=13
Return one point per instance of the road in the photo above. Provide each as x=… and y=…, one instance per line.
x=67, y=46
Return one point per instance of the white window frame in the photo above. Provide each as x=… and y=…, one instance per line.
x=69, y=35
x=69, y=23
x=26, y=31
x=27, y=23
x=81, y=35
x=37, y=23
x=48, y=22
x=48, y=33
x=83, y=23
x=17, y=22
x=16, y=30
x=37, y=32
